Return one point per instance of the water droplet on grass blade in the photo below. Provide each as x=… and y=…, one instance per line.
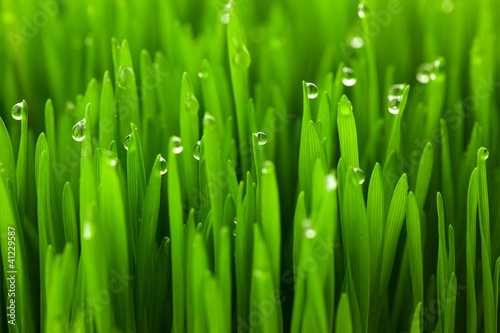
x=191, y=105
x=424, y=72
x=241, y=57
x=310, y=233
x=87, y=230
x=438, y=67
x=312, y=90
x=196, y=150
x=125, y=75
x=261, y=138
x=360, y=175
x=394, y=105
x=79, y=131
x=224, y=18
x=267, y=167
x=330, y=183
x=234, y=232
x=235, y=220
x=395, y=97
x=16, y=111
x=485, y=152
x=163, y=166
x=208, y=121
x=126, y=142
x=177, y=145
x=348, y=76
x=363, y=9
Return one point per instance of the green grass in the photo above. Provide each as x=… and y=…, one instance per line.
x=250, y=166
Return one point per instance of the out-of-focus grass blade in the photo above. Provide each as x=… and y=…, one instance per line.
x=451, y=299
x=447, y=174
x=299, y=217
x=415, y=249
x=7, y=157
x=211, y=95
x=344, y=320
x=415, y=323
x=324, y=115
x=224, y=277
x=69, y=220
x=108, y=130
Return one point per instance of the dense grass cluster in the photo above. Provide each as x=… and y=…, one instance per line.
x=250, y=166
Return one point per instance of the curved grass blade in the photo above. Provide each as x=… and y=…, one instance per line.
x=415, y=249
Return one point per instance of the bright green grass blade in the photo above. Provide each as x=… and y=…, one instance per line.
x=395, y=138
x=69, y=220
x=324, y=115
x=424, y=175
x=21, y=166
x=415, y=323
x=306, y=118
x=7, y=157
x=190, y=134
x=14, y=270
x=163, y=286
x=490, y=320
x=211, y=95
x=224, y=277
x=472, y=204
x=200, y=271
x=435, y=101
x=108, y=130
x=446, y=174
x=393, y=225
x=239, y=61
x=451, y=299
x=214, y=170
x=136, y=185
x=92, y=97
x=443, y=270
x=270, y=220
x=344, y=320
x=190, y=231
x=415, y=249
x=146, y=246
x=347, y=133
x=451, y=244
x=61, y=285
x=356, y=240
x=149, y=105
x=298, y=229
x=177, y=241
x=496, y=285
x=263, y=286
x=376, y=223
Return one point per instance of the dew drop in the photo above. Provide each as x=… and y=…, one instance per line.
x=363, y=9
x=235, y=220
x=312, y=90
x=438, y=67
x=360, y=175
x=261, y=138
x=87, y=230
x=163, y=166
x=177, y=145
x=485, y=151
x=447, y=6
x=191, y=105
x=310, y=233
x=267, y=167
x=224, y=18
x=394, y=105
x=330, y=183
x=125, y=77
x=348, y=76
x=208, y=121
x=396, y=91
x=241, y=57
x=354, y=38
x=196, y=150
x=126, y=142
x=234, y=232
x=16, y=111
x=79, y=131
x=424, y=72
x=113, y=162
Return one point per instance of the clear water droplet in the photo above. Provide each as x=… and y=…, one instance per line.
x=177, y=145
x=330, y=183
x=363, y=9
x=163, y=166
x=224, y=18
x=196, y=150
x=113, y=162
x=191, y=105
x=79, y=131
x=310, y=233
x=348, y=76
x=87, y=230
x=261, y=138
x=485, y=152
x=396, y=91
x=267, y=167
x=235, y=220
x=125, y=77
x=360, y=175
x=424, y=72
x=241, y=57
x=16, y=111
x=126, y=142
x=394, y=105
x=438, y=67
x=355, y=38
x=312, y=90
x=208, y=121
x=447, y=6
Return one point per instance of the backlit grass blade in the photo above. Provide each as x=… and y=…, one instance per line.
x=108, y=129
x=395, y=138
x=344, y=320
x=443, y=268
x=417, y=316
x=7, y=157
x=211, y=100
x=424, y=175
x=324, y=115
x=472, y=204
x=347, y=133
x=299, y=217
x=447, y=174
x=21, y=166
x=69, y=220
x=451, y=299
x=415, y=249
x=224, y=278
x=177, y=241
x=393, y=225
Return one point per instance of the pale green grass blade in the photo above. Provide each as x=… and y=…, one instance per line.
x=344, y=320
x=417, y=316
x=108, y=130
x=347, y=133
x=415, y=249
x=472, y=204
